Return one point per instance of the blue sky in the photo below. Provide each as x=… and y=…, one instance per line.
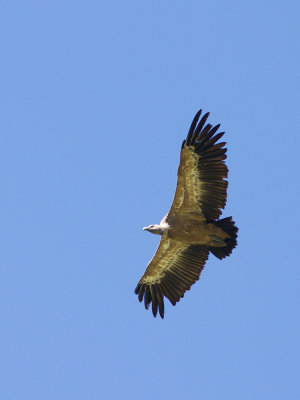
x=96, y=98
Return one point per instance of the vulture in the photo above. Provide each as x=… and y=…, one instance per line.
x=192, y=228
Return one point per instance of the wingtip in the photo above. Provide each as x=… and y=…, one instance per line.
x=161, y=310
x=197, y=128
x=193, y=126
x=136, y=290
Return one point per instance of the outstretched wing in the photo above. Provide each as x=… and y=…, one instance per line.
x=172, y=271
x=201, y=185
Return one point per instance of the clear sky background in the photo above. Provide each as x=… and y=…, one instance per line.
x=96, y=98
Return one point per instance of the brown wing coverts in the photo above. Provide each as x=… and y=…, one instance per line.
x=175, y=280
x=202, y=139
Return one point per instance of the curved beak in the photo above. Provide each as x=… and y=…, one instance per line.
x=145, y=228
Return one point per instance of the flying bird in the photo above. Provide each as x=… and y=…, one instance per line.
x=192, y=228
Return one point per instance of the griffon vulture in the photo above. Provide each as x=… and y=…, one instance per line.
x=192, y=228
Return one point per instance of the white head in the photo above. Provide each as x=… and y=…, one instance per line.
x=157, y=229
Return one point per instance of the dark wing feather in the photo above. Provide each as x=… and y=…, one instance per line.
x=201, y=185
x=174, y=268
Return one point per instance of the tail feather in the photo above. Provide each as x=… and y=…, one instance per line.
x=227, y=225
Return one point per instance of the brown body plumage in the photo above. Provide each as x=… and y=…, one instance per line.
x=191, y=229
